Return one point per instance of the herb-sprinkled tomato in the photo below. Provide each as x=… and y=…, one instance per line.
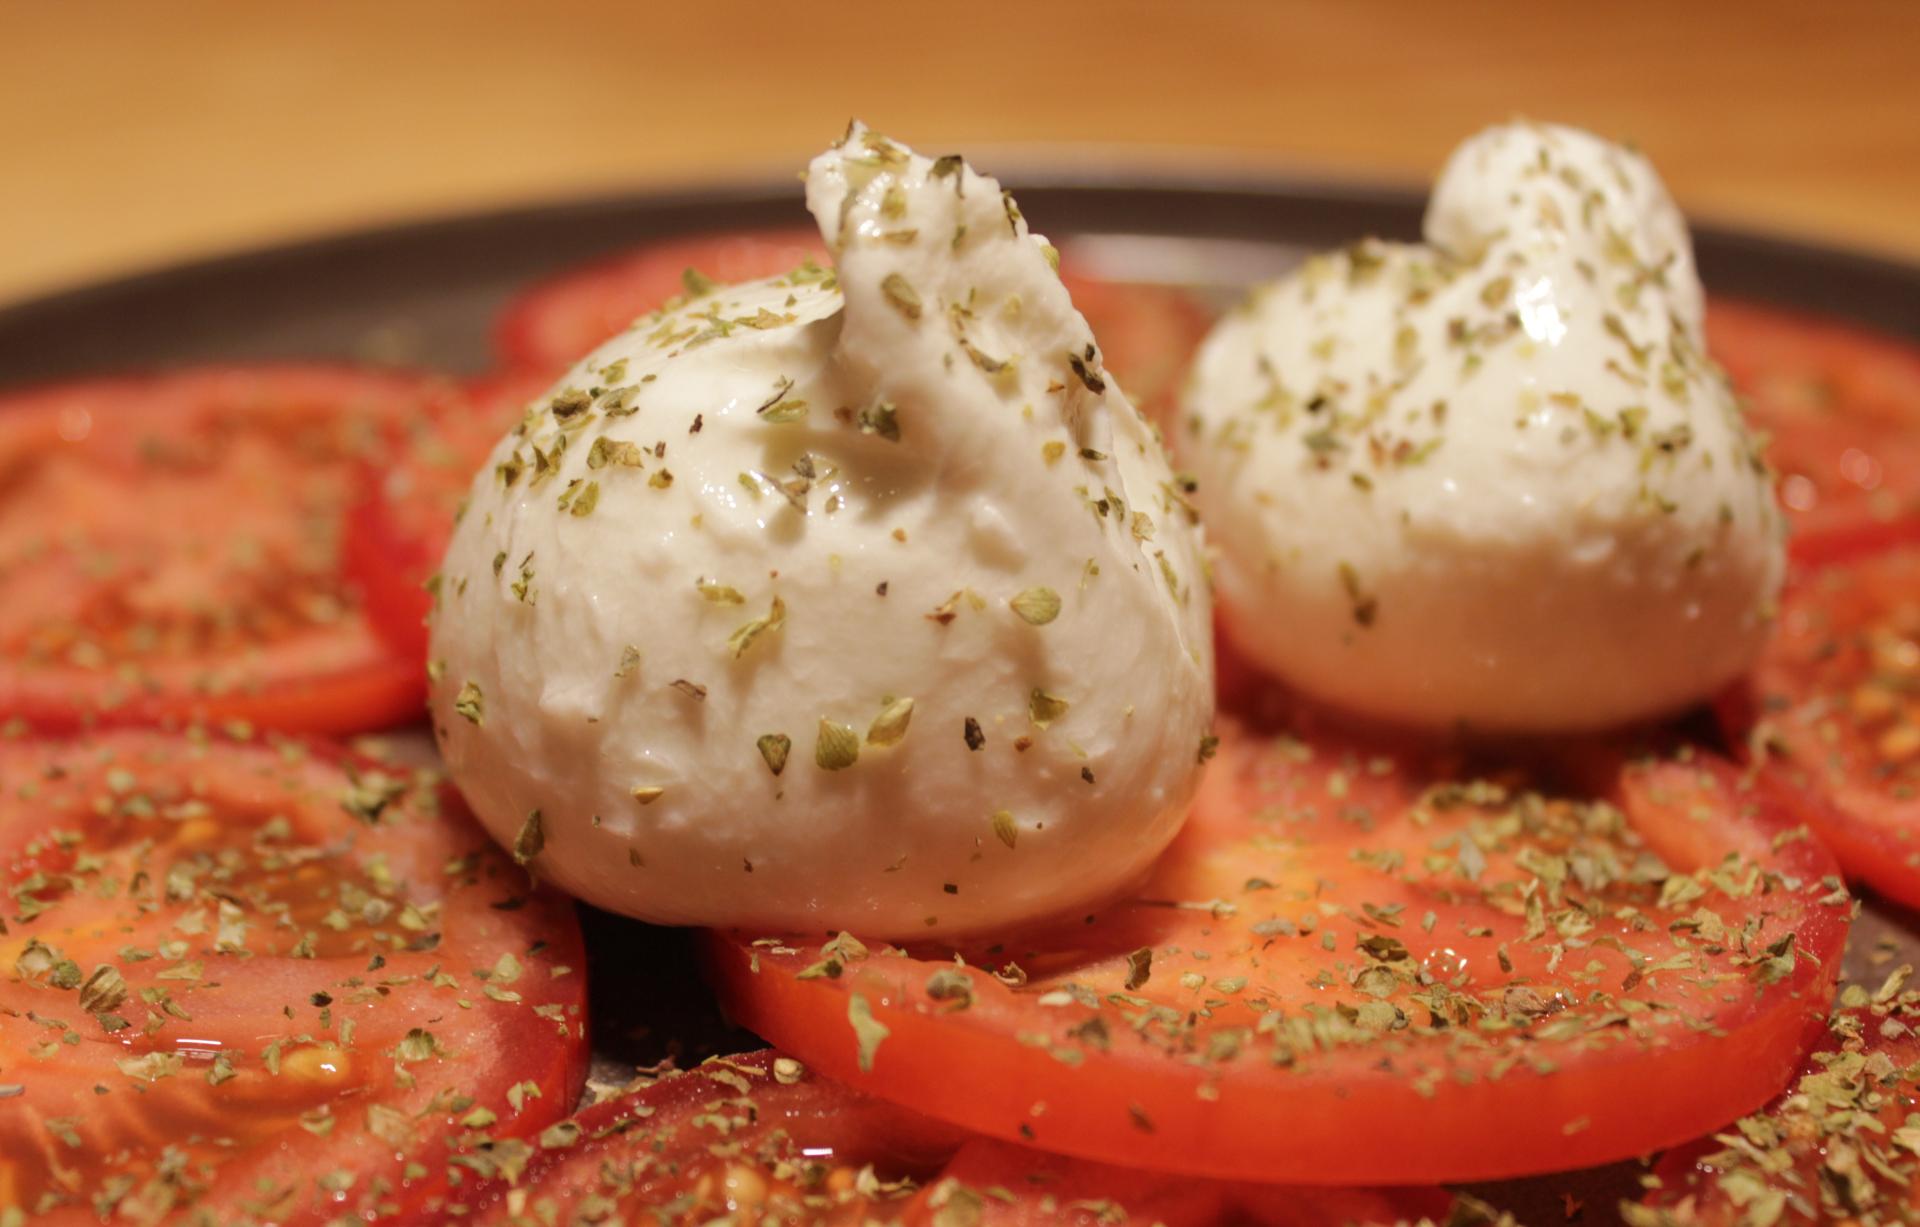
x=172, y=550
x=404, y=514
x=1016, y=1186
x=553, y=323
x=1842, y=407
x=1833, y=710
x=758, y=1134
x=251, y=983
x=1360, y=963
x=1839, y=1146
x=765, y=1139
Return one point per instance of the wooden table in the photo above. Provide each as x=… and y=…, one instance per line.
x=135, y=133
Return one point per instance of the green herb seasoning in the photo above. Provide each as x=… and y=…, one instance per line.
x=531, y=840
x=774, y=748
x=890, y=726
x=1037, y=606
x=836, y=747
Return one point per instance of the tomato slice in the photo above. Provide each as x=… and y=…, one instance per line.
x=402, y=518
x=1833, y=709
x=1015, y=1186
x=1148, y=335
x=264, y=983
x=764, y=1138
x=1841, y=405
x=1361, y=963
x=172, y=550
x=1838, y=1146
x=554, y=323
x=753, y=1133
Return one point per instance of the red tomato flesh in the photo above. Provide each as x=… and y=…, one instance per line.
x=764, y=1138
x=172, y=548
x=1836, y=697
x=1841, y=405
x=1839, y=1146
x=398, y=529
x=1360, y=964
x=553, y=324
x=264, y=984
x=1014, y=1186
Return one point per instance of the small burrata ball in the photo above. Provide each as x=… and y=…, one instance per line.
x=1492, y=480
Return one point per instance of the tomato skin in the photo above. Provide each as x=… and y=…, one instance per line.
x=403, y=515
x=1054, y=1191
x=795, y=1141
x=173, y=549
x=1795, y=365
x=1032, y=1176
x=378, y=693
x=1016, y=1068
x=1829, y=1149
x=1825, y=712
x=1840, y=405
x=342, y=936
x=552, y=324
x=658, y=1147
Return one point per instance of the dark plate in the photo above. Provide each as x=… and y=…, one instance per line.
x=426, y=294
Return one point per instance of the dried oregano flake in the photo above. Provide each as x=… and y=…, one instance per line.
x=868, y=1031
x=890, y=726
x=1037, y=606
x=837, y=746
x=629, y=662
x=1004, y=828
x=532, y=838
x=902, y=295
x=774, y=748
x=1043, y=708
x=744, y=637
x=1139, y=967
x=719, y=593
x=470, y=703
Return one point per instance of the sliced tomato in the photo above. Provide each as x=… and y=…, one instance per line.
x=1147, y=333
x=554, y=323
x=1016, y=1186
x=764, y=1138
x=403, y=516
x=1361, y=963
x=1797, y=366
x=172, y=550
x=1841, y=406
x=758, y=1134
x=250, y=983
x=1833, y=710
x=1839, y=1146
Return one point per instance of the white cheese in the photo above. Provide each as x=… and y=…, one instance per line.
x=855, y=599
x=1491, y=479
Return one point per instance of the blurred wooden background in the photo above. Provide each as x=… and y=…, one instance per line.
x=138, y=132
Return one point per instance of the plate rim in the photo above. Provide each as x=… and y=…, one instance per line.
x=736, y=195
